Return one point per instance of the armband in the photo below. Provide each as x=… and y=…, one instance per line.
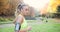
x=17, y=26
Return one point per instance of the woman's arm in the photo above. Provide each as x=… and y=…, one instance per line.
x=19, y=19
x=18, y=22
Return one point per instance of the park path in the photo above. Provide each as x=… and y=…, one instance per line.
x=29, y=23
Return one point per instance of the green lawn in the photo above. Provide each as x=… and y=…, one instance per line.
x=10, y=29
x=37, y=28
x=50, y=26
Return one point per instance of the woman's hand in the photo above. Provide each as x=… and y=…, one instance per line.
x=29, y=28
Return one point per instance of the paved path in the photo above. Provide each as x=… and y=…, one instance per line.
x=29, y=23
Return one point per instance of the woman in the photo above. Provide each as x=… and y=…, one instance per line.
x=20, y=22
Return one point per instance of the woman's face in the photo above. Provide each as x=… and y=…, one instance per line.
x=25, y=10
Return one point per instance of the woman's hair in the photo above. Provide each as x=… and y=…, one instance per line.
x=19, y=7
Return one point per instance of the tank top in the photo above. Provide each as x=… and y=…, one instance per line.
x=24, y=24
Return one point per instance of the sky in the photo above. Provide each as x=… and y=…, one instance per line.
x=38, y=4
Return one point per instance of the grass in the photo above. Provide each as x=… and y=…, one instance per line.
x=50, y=26
x=8, y=29
x=8, y=22
x=5, y=20
x=37, y=28
x=46, y=28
